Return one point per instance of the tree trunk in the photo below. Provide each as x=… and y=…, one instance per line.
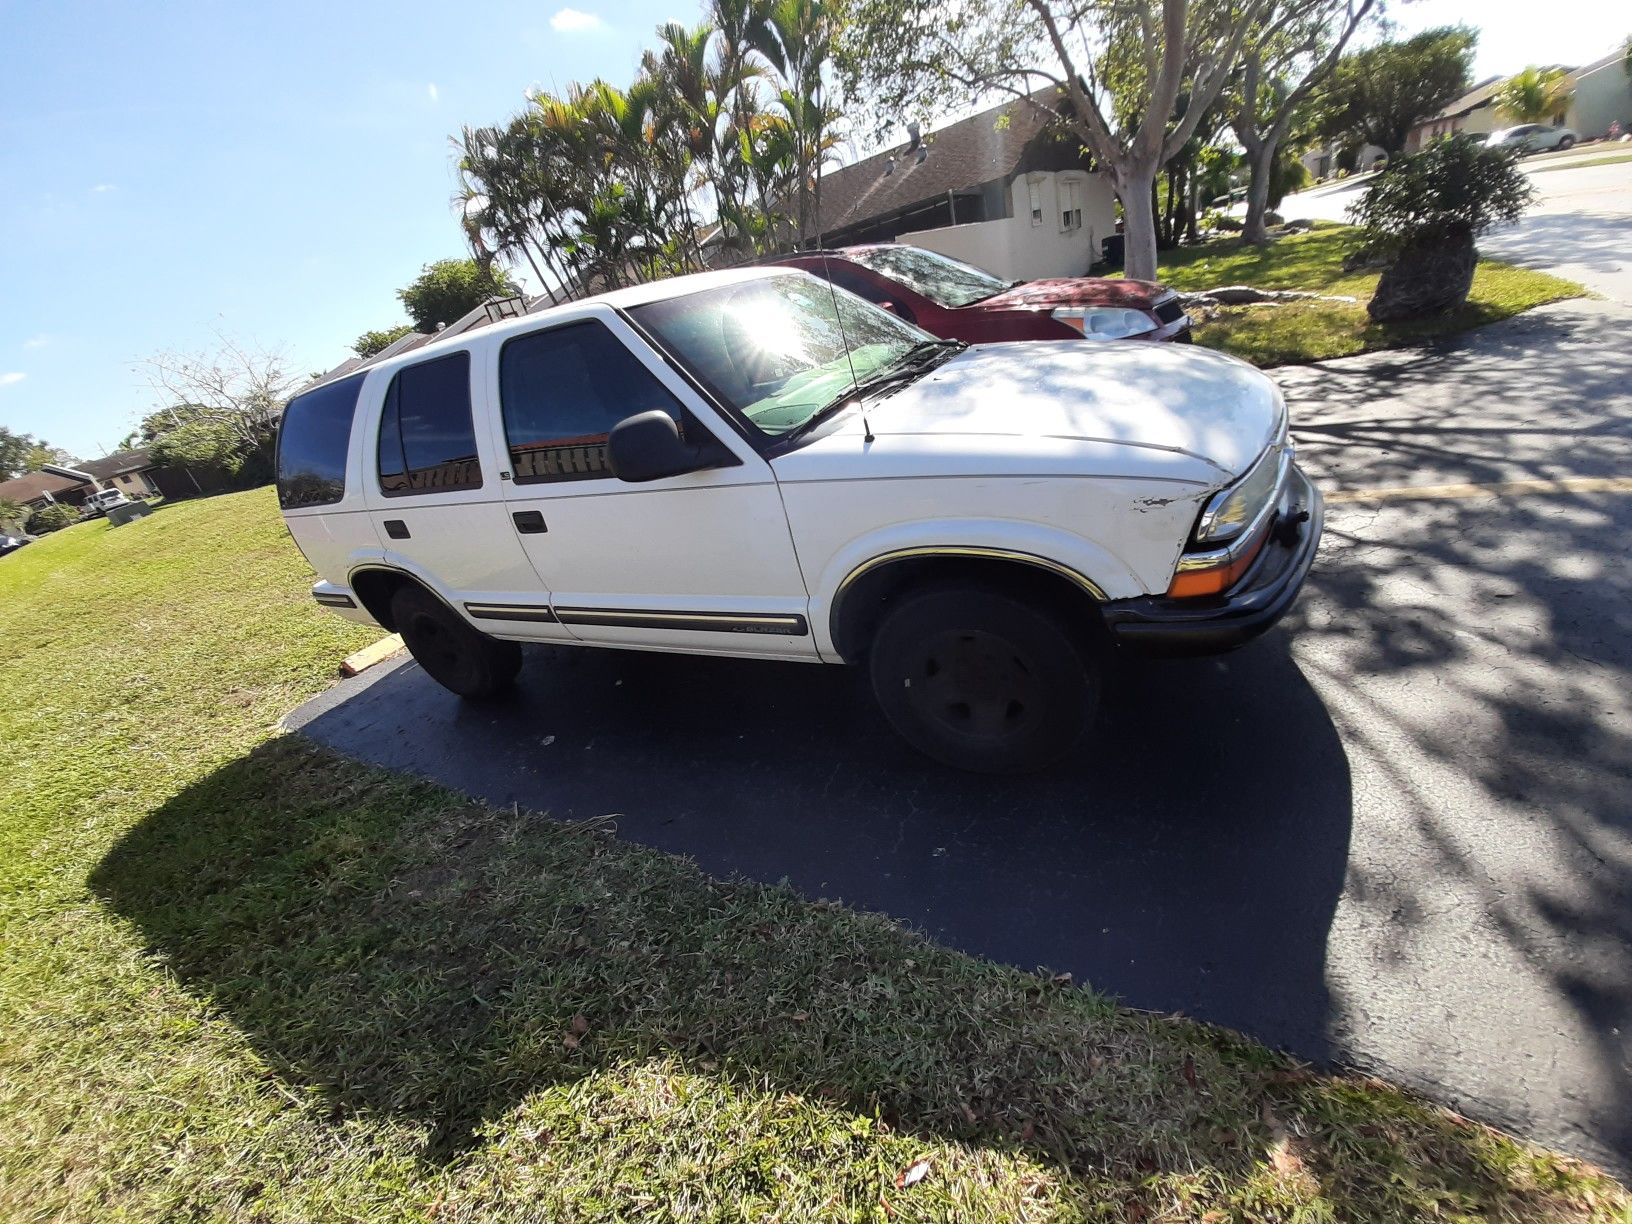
x=1426, y=278
x=1138, y=224
x=1262, y=163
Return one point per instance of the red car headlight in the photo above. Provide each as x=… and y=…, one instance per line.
x=1105, y=322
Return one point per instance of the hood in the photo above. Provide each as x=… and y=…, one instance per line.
x=1195, y=412
x=1076, y=291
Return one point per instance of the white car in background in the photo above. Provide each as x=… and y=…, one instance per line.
x=104, y=500
x=1532, y=138
x=755, y=463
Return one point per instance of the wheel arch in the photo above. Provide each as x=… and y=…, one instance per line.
x=869, y=589
x=375, y=585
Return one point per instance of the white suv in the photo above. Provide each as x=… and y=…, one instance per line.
x=755, y=463
x=104, y=500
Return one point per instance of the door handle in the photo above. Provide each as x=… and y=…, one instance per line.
x=529, y=522
x=396, y=529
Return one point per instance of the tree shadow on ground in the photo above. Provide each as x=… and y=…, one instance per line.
x=1537, y=396
x=1477, y=656
x=424, y=963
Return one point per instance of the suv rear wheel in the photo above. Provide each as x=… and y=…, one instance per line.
x=982, y=680
x=452, y=653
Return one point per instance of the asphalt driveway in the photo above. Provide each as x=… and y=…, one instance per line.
x=1396, y=833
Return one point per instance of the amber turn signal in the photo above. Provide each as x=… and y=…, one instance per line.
x=1215, y=580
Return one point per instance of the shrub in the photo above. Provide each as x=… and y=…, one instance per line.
x=1452, y=190
x=1220, y=222
x=1287, y=175
x=51, y=517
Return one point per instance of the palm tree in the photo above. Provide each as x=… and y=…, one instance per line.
x=1536, y=95
x=796, y=39
x=600, y=185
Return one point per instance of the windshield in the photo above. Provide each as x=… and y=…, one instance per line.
x=774, y=349
x=940, y=278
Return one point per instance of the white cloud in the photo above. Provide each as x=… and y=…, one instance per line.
x=433, y=91
x=102, y=189
x=36, y=342
x=572, y=21
x=11, y=379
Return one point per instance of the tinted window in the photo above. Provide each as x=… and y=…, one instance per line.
x=427, y=441
x=312, y=444
x=562, y=391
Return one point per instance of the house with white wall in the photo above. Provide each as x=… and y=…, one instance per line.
x=1602, y=96
x=1005, y=190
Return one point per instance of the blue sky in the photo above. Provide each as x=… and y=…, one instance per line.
x=277, y=171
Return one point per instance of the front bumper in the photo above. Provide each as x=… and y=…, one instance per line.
x=1158, y=625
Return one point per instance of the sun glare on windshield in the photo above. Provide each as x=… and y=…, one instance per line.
x=780, y=350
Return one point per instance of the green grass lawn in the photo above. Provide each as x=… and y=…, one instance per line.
x=242, y=979
x=1316, y=331
x=1608, y=159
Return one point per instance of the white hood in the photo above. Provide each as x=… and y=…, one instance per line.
x=1164, y=397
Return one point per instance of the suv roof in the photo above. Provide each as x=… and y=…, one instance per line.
x=620, y=299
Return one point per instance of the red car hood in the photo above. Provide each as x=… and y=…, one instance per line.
x=1076, y=291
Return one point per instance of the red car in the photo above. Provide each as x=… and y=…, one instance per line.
x=958, y=301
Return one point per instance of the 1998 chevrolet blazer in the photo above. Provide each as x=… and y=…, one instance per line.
x=755, y=463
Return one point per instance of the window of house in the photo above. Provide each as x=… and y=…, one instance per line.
x=1035, y=187
x=561, y=391
x=313, y=440
x=1070, y=204
x=427, y=439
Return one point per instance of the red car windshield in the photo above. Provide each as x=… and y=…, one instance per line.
x=940, y=278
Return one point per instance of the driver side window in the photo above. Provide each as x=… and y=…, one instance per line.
x=560, y=393
x=879, y=293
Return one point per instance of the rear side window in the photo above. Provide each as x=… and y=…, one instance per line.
x=312, y=444
x=562, y=391
x=427, y=439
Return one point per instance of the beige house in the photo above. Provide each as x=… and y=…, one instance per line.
x=1474, y=112
x=1603, y=95
x=128, y=471
x=1001, y=189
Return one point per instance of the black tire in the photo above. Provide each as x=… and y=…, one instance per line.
x=1565, y=142
x=982, y=680
x=453, y=654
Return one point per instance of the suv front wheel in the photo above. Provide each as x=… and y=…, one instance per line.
x=453, y=654
x=982, y=680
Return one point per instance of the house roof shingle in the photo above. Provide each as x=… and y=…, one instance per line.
x=1479, y=95
x=32, y=485
x=993, y=144
x=117, y=464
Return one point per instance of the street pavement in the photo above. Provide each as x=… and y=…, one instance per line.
x=1580, y=226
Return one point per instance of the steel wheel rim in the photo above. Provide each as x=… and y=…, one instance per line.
x=975, y=686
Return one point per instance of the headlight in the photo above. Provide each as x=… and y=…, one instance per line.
x=1231, y=510
x=1105, y=322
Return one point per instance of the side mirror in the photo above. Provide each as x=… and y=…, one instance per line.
x=647, y=446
